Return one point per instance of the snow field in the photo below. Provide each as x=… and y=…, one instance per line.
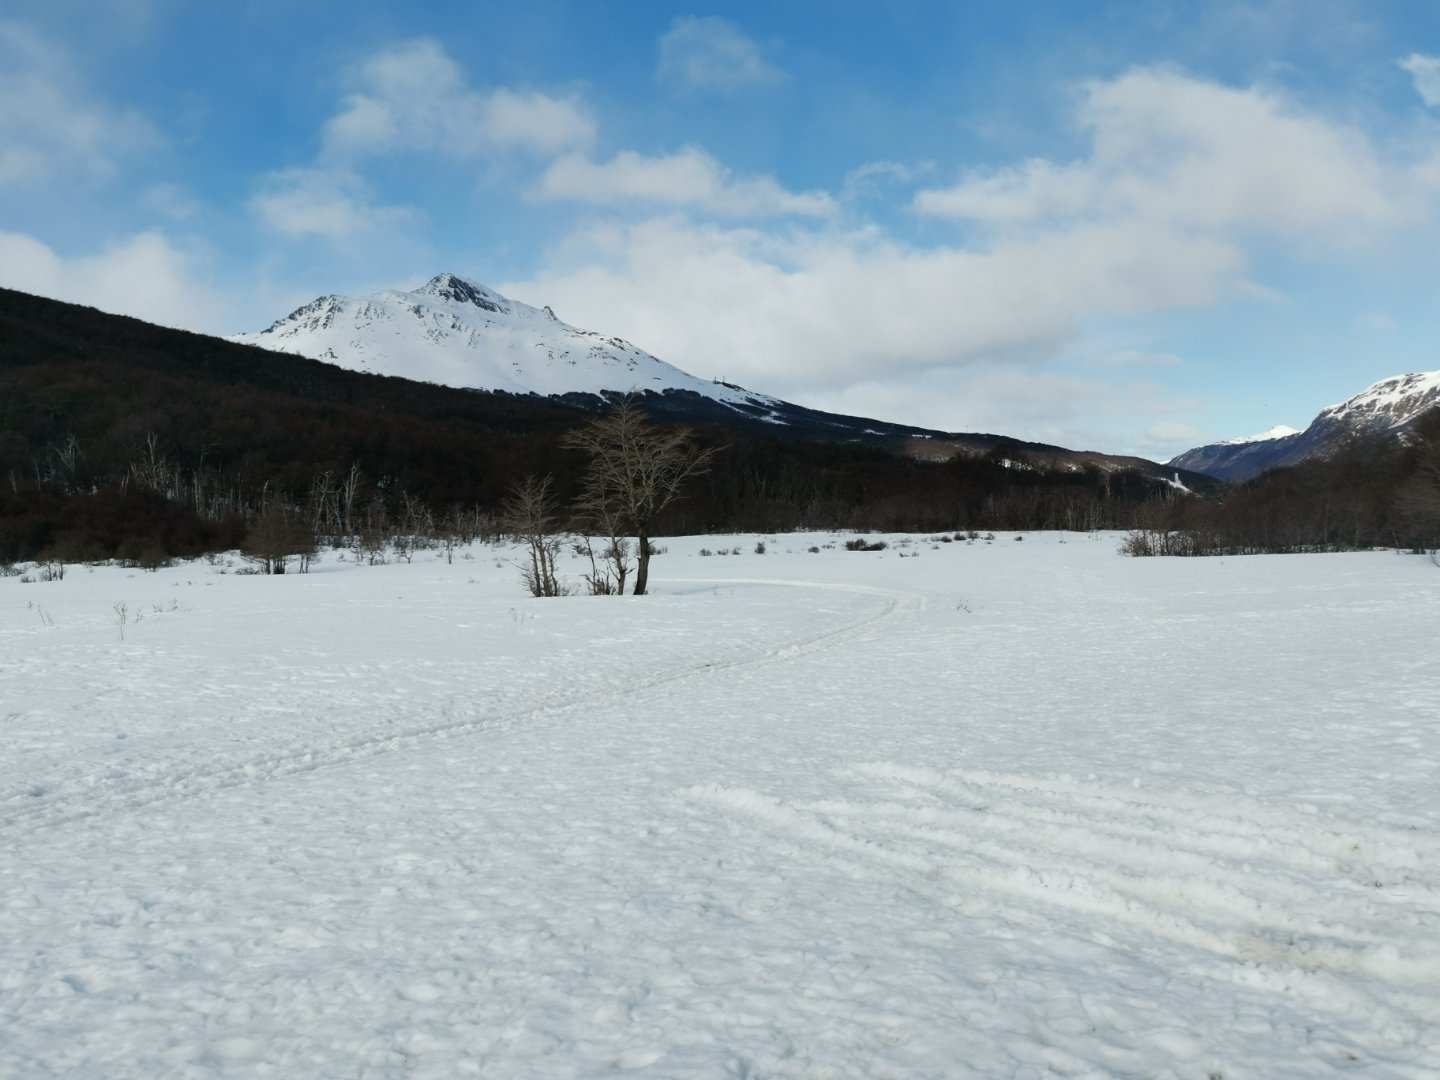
x=1009, y=809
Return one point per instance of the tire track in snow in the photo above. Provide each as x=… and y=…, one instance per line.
x=1256, y=923
x=77, y=802
x=1374, y=856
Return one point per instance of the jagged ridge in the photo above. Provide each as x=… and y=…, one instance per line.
x=1386, y=409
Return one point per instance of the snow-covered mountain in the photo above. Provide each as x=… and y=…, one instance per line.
x=1387, y=409
x=456, y=332
x=1279, y=431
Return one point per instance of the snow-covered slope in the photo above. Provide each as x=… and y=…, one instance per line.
x=456, y=332
x=1279, y=431
x=1386, y=409
x=1389, y=405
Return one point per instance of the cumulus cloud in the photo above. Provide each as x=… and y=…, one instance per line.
x=1082, y=412
x=1181, y=176
x=50, y=126
x=414, y=96
x=331, y=203
x=711, y=53
x=802, y=310
x=690, y=177
x=146, y=276
x=1195, y=154
x=1425, y=72
x=874, y=177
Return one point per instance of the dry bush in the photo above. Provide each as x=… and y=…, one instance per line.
x=531, y=515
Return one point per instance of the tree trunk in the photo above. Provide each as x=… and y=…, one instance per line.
x=642, y=562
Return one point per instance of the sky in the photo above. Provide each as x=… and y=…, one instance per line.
x=1132, y=227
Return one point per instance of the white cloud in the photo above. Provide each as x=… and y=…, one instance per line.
x=414, y=96
x=332, y=203
x=1080, y=412
x=146, y=276
x=708, y=52
x=689, y=177
x=805, y=311
x=868, y=180
x=50, y=126
x=1194, y=154
x=1425, y=71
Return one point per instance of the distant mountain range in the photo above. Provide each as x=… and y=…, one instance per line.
x=1388, y=410
x=457, y=332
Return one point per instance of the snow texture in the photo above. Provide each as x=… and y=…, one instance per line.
x=1389, y=404
x=1279, y=431
x=999, y=810
x=456, y=332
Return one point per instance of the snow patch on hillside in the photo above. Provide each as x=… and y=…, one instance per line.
x=1389, y=403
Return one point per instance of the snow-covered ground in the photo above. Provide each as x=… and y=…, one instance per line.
x=1002, y=810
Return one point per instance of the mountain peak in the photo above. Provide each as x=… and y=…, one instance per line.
x=461, y=290
x=1395, y=400
x=457, y=332
x=1279, y=431
x=1385, y=409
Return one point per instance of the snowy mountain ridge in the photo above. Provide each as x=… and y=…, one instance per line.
x=457, y=332
x=1279, y=431
x=1385, y=409
x=1388, y=404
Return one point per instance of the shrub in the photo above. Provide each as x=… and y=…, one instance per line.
x=760, y=547
x=862, y=544
x=1148, y=542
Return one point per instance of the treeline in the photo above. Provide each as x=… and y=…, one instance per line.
x=119, y=439
x=1371, y=494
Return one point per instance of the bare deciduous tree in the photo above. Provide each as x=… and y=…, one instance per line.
x=277, y=535
x=531, y=516
x=636, y=470
x=609, y=567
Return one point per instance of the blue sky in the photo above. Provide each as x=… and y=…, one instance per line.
x=1126, y=226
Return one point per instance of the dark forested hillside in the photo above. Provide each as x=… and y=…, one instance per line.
x=117, y=436
x=1371, y=493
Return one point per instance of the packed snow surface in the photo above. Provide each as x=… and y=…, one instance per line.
x=1009, y=809
x=457, y=332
